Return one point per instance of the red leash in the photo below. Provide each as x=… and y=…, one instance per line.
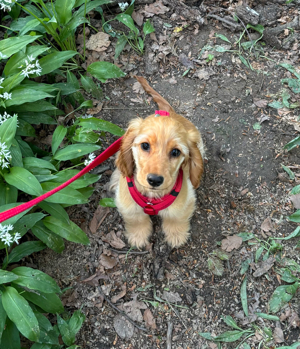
x=111, y=150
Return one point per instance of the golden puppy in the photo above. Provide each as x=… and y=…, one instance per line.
x=155, y=155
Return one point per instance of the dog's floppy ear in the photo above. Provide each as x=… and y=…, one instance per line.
x=195, y=158
x=125, y=161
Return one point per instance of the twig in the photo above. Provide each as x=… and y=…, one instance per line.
x=120, y=311
x=236, y=26
x=169, y=335
x=244, y=27
x=124, y=108
x=128, y=251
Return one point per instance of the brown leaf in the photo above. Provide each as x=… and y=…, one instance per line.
x=120, y=295
x=261, y=103
x=171, y=297
x=267, y=225
x=149, y=319
x=98, y=42
x=138, y=88
x=107, y=262
x=138, y=17
x=133, y=307
x=95, y=110
x=286, y=315
x=123, y=327
x=113, y=240
x=294, y=320
x=155, y=9
x=93, y=279
x=295, y=200
x=231, y=242
x=98, y=218
x=278, y=335
x=264, y=266
x=204, y=74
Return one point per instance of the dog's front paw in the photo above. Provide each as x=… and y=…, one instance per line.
x=137, y=240
x=177, y=233
x=177, y=239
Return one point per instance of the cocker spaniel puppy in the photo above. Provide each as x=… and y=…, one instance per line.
x=159, y=166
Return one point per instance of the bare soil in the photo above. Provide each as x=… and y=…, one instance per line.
x=243, y=185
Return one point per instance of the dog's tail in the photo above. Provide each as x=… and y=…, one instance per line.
x=161, y=102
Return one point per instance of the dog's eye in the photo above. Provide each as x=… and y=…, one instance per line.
x=175, y=153
x=145, y=146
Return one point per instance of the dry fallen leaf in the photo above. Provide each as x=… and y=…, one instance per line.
x=120, y=295
x=278, y=335
x=123, y=327
x=133, y=307
x=107, y=262
x=155, y=9
x=184, y=60
x=95, y=110
x=295, y=200
x=294, y=320
x=261, y=103
x=231, y=242
x=113, y=240
x=98, y=42
x=264, y=266
x=267, y=225
x=204, y=74
x=93, y=280
x=98, y=218
x=138, y=17
x=171, y=297
x=138, y=88
x=149, y=319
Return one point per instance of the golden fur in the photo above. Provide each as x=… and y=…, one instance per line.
x=163, y=134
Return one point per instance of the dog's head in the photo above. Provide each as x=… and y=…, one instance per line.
x=154, y=149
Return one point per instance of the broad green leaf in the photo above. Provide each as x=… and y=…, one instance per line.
x=82, y=182
x=224, y=256
x=10, y=337
x=16, y=155
x=35, y=280
x=76, y=322
x=2, y=318
x=281, y=296
x=14, y=219
x=287, y=276
x=39, y=163
x=39, y=106
x=27, y=222
x=65, y=88
x=37, y=118
x=56, y=210
x=63, y=10
x=289, y=67
x=49, y=302
x=294, y=234
x=8, y=131
x=24, y=181
x=130, y=8
x=70, y=231
x=55, y=60
x=293, y=84
x=258, y=253
x=206, y=335
x=230, y=322
x=90, y=87
x=23, y=94
x=215, y=266
x=67, y=336
x=70, y=28
x=68, y=195
x=72, y=79
x=8, y=194
x=128, y=21
x=29, y=26
x=246, y=236
x=285, y=98
x=24, y=147
x=86, y=192
x=53, y=241
x=295, y=217
x=244, y=299
x=25, y=129
x=292, y=346
x=292, y=144
x=229, y=336
x=86, y=104
x=85, y=136
x=42, y=346
x=6, y=276
x=122, y=41
x=268, y=316
x=295, y=190
x=58, y=136
x=23, y=250
x=258, y=27
x=15, y=44
x=19, y=312
x=245, y=266
x=244, y=61
x=75, y=151
x=276, y=104
x=105, y=70
x=12, y=81
x=101, y=125
x=148, y=27
x=107, y=202
x=48, y=334
x=222, y=37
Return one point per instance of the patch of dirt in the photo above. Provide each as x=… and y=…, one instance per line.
x=240, y=189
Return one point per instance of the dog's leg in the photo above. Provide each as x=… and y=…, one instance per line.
x=138, y=229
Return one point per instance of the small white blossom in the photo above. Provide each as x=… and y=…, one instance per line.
x=31, y=67
x=5, y=235
x=6, y=95
x=2, y=56
x=5, y=117
x=17, y=237
x=6, y=238
x=123, y=5
x=87, y=116
x=5, y=157
x=1, y=80
x=5, y=5
x=90, y=159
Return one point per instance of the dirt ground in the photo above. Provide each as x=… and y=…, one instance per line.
x=244, y=184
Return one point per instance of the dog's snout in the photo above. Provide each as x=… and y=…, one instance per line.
x=155, y=180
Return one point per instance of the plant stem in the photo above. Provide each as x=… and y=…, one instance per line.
x=84, y=31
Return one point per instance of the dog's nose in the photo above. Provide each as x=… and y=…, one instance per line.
x=155, y=180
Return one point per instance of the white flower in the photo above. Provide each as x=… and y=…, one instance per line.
x=2, y=56
x=31, y=67
x=5, y=157
x=87, y=116
x=6, y=95
x=1, y=80
x=5, y=5
x=90, y=159
x=6, y=238
x=17, y=237
x=5, y=117
x=123, y=5
x=5, y=235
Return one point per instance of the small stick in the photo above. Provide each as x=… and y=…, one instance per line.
x=120, y=311
x=128, y=251
x=224, y=20
x=169, y=335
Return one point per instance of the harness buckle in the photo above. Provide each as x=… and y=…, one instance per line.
x=150, y=210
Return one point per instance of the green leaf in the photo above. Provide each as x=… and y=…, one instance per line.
x=68, y=195
x=15, y=44
x=67, y=337
x=53, y=241
x=23, y=94
x=258, y=27
x=30, y=162
x=42, y=346
x=148, y=27
x=8, y=131
x=58, y=136
x=86, y=104
x=244, y=61
x=294, y=234
x=257, y=126
x=222, y=37
x=25, y=129
x=7, y=276
x=215, y=266
x=130, y=8
x=70, y=231
x=63, y=9
x=85, y=136
x=295, y=190
x=16, y=155
x=244, y=296
x=292, y=346
x=37, y=118
x=229, y=336
x=287, y=66
x=29, y=26
x=206, y=335
x=14, y=219
x=11, y=336
x=23, y=180
x=23, y=250
x=281, y=296
x=246, y=236
x=75, y=151
x=128, y=21
x=90, y=87
x=224, y=256
x=27, y=222
x=8, y=194
x=55, y=60
x=76, y=322
x=292, y=144
x=56, y=210
x=104, y=71
x=276, y=105
x=39, y=106
x=245, y=266
x=230, y=322
x=101, y=125
x=122, y=41
x=107, y=202
x=19, y=312
x=35, y=280
x=48, y=334
x=49, y=302
x=293, y=84
x=82, y=182
x=2, y=318
x=295, y=217
x=258, y=253
x=287, y=276
x=268, y=316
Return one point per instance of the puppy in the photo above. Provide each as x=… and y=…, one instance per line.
x=155, y=155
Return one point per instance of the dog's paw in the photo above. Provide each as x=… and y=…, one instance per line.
x=138, y=241
x=178, y=239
